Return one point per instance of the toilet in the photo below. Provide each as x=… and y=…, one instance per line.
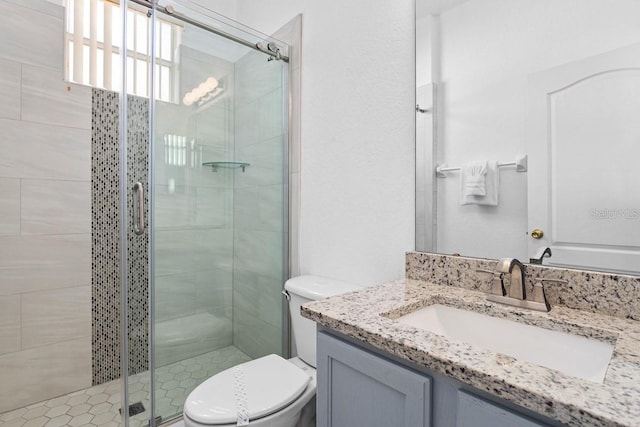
x=269, y=391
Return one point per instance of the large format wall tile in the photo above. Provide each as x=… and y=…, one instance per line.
x=260, y=252
x=47, y=98
x=214, y=207
x=56, y=207
x=52, y=370
x=54, y=316
x=253, y=336
x=9, y=89
x=43, y=6
x=9, y=323
x=9, y=206
x=214, y=291
x=259, y=295
x=33, y=263
x=37, y=151
x=175, y=296
x=174, y=206
x=30, y=36
x=267, y=163
x=259, y=208
x=183, y=251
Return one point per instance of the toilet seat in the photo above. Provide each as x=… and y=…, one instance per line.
x=270, y=383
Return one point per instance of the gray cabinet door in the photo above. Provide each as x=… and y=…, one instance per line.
x=475, y=412
x=359, y=389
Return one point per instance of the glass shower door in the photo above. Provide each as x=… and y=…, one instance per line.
x=219, y=227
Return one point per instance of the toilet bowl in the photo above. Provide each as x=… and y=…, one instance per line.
x=270, y=391
x=277, y=395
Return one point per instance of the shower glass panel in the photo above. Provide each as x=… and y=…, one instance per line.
x=219, y=182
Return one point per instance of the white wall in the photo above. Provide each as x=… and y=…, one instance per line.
x=488, y=49
x=357, y=154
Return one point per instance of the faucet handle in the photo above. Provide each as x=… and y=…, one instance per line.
x=497, y=281
x=538, y=294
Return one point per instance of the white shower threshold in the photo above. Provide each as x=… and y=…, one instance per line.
x=98, y=406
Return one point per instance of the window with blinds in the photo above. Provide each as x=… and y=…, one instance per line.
x=93, y=41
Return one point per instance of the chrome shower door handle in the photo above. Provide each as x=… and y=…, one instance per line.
x=138, y=208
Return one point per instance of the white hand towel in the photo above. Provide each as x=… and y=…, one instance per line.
x=491, y=185
x=472, y=176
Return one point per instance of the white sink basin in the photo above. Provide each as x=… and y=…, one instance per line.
x=571, y=354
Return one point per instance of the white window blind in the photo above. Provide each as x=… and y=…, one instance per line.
x=93, y=45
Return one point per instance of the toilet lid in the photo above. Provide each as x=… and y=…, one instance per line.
x=270, y=383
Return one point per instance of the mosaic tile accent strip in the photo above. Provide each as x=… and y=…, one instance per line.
x=99, y=405
x=105, y=232
x=138, y=246
x=611, y=294
x=105, y=237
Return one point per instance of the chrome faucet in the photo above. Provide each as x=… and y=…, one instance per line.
x=516, y=272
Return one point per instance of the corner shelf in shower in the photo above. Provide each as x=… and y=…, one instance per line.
x=226, y=165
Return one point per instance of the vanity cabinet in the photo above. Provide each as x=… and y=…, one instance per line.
x=363, y=387
x=359, y=388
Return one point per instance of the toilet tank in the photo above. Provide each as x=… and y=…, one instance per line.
x=303, y=289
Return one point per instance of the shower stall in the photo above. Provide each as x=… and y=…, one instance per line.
x=144, y=229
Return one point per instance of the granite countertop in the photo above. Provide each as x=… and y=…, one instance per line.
x=368, y=315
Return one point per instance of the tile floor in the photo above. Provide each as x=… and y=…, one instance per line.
x=99, y=406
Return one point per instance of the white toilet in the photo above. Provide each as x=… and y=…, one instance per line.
x=270, y=391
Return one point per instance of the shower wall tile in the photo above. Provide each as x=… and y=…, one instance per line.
x=294, y=221
x=259, y=202
x=30, y=36
x=39, y=151
x=253, y=336
x=259, y=251
x=52, y=370
x=56, y=207
x=174, y=206
x=9, y=323
x=9, y=206
x=268, y=307
x=215, y=248
x=267, y=163
x=174, y=253
x=214, y=124
x=214, y=207
x=55, y=316
x=175, y=296
x=249, y=133
x=47, y=98
x=172, y=119
x=43, y=6
x=197, y=174
x=33, y=263
x=255, y=77
x=260, y=208
x=10, y=89
x=271, y=113
x=214, y=291
x=184, y=251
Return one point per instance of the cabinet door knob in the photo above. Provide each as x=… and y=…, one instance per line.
x=537, y=233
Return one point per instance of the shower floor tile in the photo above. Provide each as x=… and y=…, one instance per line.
x=99, y=406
